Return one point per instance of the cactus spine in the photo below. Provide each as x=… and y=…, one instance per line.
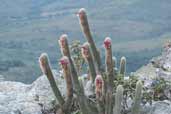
x=137, y=99
x=118, y=100
x=122, y=66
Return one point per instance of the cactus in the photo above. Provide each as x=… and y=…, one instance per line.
x=110, y=75
x=109, y=62
x=114, y=62
x=67, y=75
x=76, y=84
x=66, y=52
x=86, y=53
x=106, y=100
x=122, y=66
x=86, y=30
x=118, y=100
x=46, y=69
x=137, y=99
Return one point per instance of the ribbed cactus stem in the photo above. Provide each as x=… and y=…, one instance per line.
x=45, y=67
x=122, y=66
x=137, y=99
x=109, y=102
x=99, y=86
x=86, y=30
x=118, y=99
x=110, y=75
x=63, y=42
x=77, y=87
x=114, y=62
x=64, y=61
x=109, y=62
x=86, y=53
x=114, y=67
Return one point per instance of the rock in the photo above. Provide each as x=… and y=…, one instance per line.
x=160, y=67
x=19, y=98
x=159, y=107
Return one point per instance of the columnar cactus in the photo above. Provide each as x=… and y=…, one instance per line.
x=86, y=30
x=46, y=69
x=107, y=101
x=67, y=75
x=77, y=86
x=99, y=84
x=122, y=69
x=118, y=100
x=86, y=53
x=109, y=62
x=66, y=52
x=114, y=62
x=110, y=75
x=137, y=99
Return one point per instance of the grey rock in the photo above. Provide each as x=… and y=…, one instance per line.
x=160, y=67
x=19, y=98
x=159, y=107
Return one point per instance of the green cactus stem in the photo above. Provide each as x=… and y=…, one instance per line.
x=137, y=99
x=45, y=67
x=109, y=62
x=99, y=86
x=109, y=102
x=67, y=75
x=114, y=62
x=86, y=53
x=122, y=66
x=110, y=75
x=63, y=42
x=83, y=102
x=118, y=99
x=103, y=101
x=86, y=30
x=114, y=67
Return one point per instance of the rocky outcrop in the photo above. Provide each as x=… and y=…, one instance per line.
x=36, y=98
x=159, y=67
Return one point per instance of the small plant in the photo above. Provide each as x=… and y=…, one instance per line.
x=77, y=56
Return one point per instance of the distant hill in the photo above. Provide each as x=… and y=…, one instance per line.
x=29, y=27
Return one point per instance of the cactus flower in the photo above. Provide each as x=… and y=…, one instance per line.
x=64, y=61
x=99, y=84
x=107, y=42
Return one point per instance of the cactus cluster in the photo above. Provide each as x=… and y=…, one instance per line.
x=107, y=100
